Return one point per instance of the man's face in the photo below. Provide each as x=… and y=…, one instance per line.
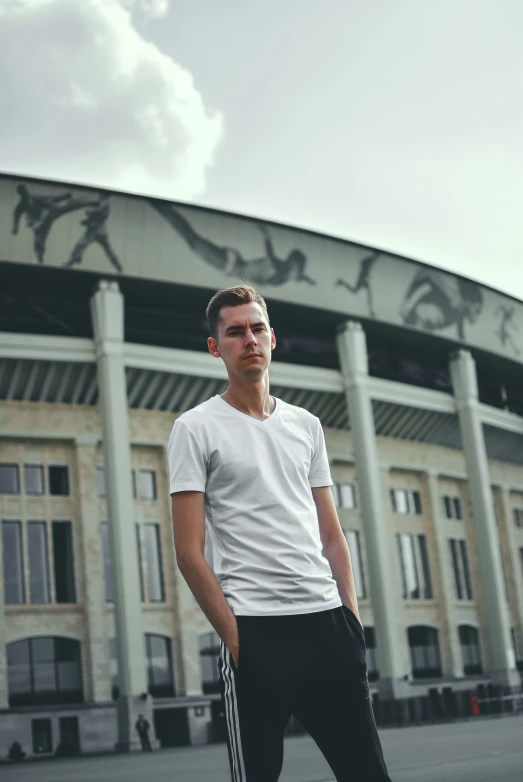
x=245, y=341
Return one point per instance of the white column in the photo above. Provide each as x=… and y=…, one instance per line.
x=448, y=597
x=352, y=351
x=515, y=562
x=4, y=697
x=464, y=381
x=107, y=317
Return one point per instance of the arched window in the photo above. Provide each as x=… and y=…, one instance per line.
x=44, y=671
x=209, y=655
x=159, y=667
x=370, y=644
x=424, y=652
x=470, y=649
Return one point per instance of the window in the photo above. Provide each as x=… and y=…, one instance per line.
x=521, y=559
x=518, y=517
x=9, y=479
x=34, y=479
x=140, y=562
x=147, y=484
x=460, y=567
x=44, y=670
x=353, y=540
x=415, y=570
x=453, y=508
x=406, y=502
x=13, y=560
x=470, y=649
x=59, y=480
x=370, y=646
x=42, y=736
x=209, y=644
x=38, y=562
x=424, y=652
x=63, y=562
x=344, y=495
x=133, y=481
x=100, y=481
x=106, y=561
x=159, y=666
x=153, y=551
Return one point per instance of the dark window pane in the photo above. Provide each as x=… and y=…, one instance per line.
x=393, y=500
x=457, y=508
x=106, y=561
x=100, y=482
x=153, y=550
x=417, y=502
x=43, y=650
x=466, y=571
x=38, y=561
x=14, y=592
x=159, y=666
x=9, y=479
x=133, y=479
x=427, y=583
x=34, y=479
x=42, y=736
x=456, y=568
x=147, y=484
x=424, y=650
x=59, y=480
x=63, y=562
x=18, y=669
x=448, y=507
x=209, y=655
x=140, y=562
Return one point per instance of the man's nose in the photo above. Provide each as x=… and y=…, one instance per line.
x=250, y=339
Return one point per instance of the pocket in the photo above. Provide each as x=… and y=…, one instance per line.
x=354, y=619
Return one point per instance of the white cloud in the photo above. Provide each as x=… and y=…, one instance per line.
x=86, y=98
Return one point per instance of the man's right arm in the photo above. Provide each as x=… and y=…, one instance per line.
x=189, y=542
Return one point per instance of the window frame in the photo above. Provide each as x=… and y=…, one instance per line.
x=34, y=466
x=18, y=525
x=16, y=468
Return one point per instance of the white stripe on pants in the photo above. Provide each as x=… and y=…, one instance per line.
x=232, y=719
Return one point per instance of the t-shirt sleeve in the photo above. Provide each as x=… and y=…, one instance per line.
x=319, y=473
x=187, y=460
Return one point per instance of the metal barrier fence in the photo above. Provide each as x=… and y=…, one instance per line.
x=446, y=705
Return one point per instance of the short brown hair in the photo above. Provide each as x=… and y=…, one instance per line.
x=231, y=297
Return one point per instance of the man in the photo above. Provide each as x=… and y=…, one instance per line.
x=41, y=211
x=363, y=281
x=95, y=222
x=282, y=597
x=142, y=728
x=267, y=269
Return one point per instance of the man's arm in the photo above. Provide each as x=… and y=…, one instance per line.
x=189, y=542
x=335, y=548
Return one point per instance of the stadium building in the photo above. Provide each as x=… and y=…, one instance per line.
x=415, y=374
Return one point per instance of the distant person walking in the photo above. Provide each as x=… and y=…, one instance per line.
x=142, y=728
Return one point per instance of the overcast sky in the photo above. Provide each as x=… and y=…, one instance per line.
x=397, y=123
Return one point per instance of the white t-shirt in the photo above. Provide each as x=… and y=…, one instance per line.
x=259, y=509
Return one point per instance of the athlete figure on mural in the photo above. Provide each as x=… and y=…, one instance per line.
x=363, y=281
x=254, y=470
x=506, y=326
x=436, y=300
x=95, y=221
x=40, y=212
x=266, y=270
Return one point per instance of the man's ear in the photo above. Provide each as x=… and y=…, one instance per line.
x=212, y=345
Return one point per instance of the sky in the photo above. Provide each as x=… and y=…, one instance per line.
x=394, y=123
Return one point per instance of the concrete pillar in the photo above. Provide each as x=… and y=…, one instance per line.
x=107, y=318
x=464, y=381
x=97, y=643
x=352, y=351
x=4, y=693
x=515, y=573
x=448, y=597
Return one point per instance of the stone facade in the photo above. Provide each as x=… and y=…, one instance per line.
x=72, y=435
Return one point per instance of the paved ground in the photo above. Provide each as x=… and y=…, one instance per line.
x=475, y=751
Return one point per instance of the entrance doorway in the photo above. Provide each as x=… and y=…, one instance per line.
x=172, y=727
x=69, y=737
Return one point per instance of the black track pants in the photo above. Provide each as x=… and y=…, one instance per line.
x=309, y=665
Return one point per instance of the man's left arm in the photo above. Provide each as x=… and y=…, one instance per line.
x=335, y=548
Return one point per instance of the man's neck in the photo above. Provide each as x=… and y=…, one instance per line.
x=252, y=399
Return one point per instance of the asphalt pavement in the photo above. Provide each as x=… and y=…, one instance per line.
x=482, y=750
